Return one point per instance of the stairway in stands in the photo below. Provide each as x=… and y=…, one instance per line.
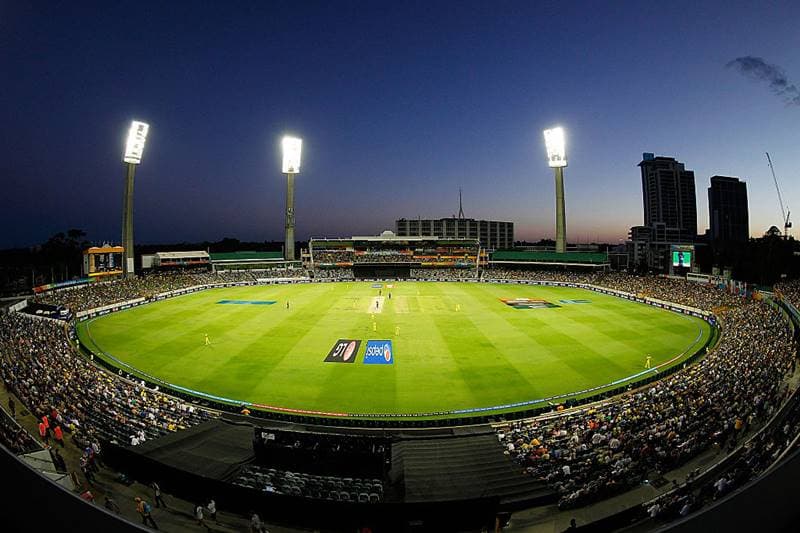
x=461, y=468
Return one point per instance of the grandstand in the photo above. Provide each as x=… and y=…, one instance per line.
x=390, y=256
x=161, y=261
x=589, y=260
x=246, y=260
x=730, y=415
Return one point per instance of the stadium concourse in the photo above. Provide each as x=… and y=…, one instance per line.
x=708, y=428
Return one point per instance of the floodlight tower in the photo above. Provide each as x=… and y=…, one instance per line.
x=557, y=159
x=292, y=146
x=137, y=135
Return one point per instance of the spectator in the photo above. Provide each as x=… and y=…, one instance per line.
x=157, y=497
x=144, y=509
x=111, y=505
x=255, y=524
x=212, y=510
x=198, y=515
x=58, y=435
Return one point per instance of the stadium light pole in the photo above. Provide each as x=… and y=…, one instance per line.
x=557, y=159
x=292, y=147
x=137, y=135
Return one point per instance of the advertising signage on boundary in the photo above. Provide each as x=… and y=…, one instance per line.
x=379, y=352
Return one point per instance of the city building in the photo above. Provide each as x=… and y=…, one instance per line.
x=670, y=213
x=727, y=210
x=669, y=197
x=492, y=234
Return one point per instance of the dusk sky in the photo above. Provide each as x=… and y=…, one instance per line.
x=399, y=104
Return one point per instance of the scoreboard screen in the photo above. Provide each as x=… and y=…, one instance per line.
x=682, y=259
x=103, y=261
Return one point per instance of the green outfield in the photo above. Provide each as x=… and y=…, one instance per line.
x=455, y=346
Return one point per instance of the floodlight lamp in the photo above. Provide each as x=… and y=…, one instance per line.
x=556, y=147
x=292, y=146
x=137, y=135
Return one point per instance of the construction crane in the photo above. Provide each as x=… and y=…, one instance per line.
x=787, y=225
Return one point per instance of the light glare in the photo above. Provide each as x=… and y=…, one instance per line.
x=556, y=147
x=292, y=147
x=137, y=135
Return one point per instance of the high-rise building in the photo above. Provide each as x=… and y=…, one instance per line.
x=727, y=210
x=670, y=213
x=669, y=197
x=493, y=234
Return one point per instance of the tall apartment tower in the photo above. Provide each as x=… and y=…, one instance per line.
x=670, y=203
x=727, y=210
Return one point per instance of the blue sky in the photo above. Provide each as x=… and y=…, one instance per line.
x=399, y=104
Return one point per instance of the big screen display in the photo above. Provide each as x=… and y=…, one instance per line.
x=681, y=258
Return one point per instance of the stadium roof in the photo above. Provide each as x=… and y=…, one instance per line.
x=551, y=257
x=247, y=256
x=390, y=237
x=182, y=255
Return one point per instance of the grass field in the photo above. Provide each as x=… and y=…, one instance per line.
x=456, y=345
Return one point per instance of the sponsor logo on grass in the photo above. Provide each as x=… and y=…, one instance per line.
x=248, y=302
x=379, y=353
x=528, y=303
x=575, y=301
x=377, y=285
x=344, y=351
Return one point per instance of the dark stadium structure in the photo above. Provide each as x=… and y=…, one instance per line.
x=732, y=416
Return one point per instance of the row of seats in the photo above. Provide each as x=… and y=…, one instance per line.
x=361, y=490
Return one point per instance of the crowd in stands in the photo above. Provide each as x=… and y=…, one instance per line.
x=383, y=256
x=594, y=452
x=333, y=273
x=756, y=456
x=71, y=396
x=94, y=295
x=236, y=276
x=586, y=454
x=333, y=256
x=564, y=276
x=281, y=273
x=254, y=275
x=348, y=489
x=443, y=273
x=789, y=291
x=98, y=294
x=700, y=295
x=14, y=437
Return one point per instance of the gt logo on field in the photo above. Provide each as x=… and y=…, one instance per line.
x=379, y=353
x=344, y=351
